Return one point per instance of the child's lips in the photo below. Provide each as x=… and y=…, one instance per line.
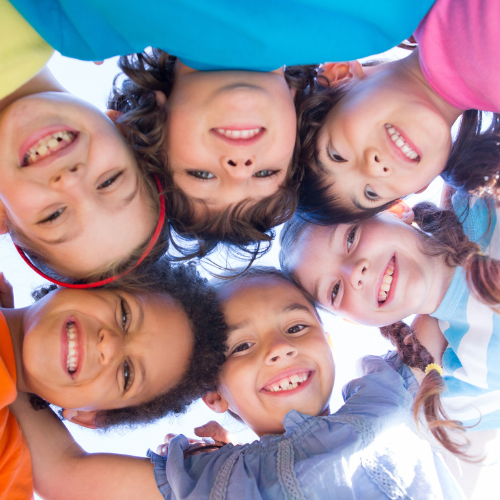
x=72, y=356
x=247, y=135
x=396, y=150
x=392, y=290
x=288, y=382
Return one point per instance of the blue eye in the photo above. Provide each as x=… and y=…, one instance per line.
x=201, y=174
x=333, y=155
x=110, y=181
x=370, y=193
x=335, y=291
x=52, y=217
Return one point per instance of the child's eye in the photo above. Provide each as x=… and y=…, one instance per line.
x=350, y=237
x=110, y=181
x=201, y=174
x=125, y=314
x=128, y=376
x=296, y=328
x=244, y=346
x=52, y=217
x=265, y=173
x=335, y=291
x=333, y=155
x=370, y=193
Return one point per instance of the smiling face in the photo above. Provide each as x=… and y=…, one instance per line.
x=70, y=184
x=278, y=358
x=373, y=272
x=387, y=138
x=103, y=349
x=230, y=134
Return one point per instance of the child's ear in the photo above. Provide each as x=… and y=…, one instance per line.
x=402, y=211
x=4, y=229
x=339, y=71
x=81, y=418
x=161, y=98
x=113, y=115
x=216, y=402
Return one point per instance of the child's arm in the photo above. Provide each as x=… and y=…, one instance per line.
x=62, y=469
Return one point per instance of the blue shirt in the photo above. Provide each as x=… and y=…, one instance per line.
x=262, y=35
x=471, y=360
x=363, y=451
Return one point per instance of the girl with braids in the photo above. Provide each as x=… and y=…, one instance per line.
x=383, y=269
x=384, y=132
x=277, y=378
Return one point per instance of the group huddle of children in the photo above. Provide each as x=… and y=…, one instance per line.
x=205, y=144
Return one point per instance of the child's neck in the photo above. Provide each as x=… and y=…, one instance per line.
x=43, y=81
x=15, y=318
x=411, y=65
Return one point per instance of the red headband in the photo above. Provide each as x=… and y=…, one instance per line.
x=148, y=249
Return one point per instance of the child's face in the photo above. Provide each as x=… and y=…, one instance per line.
x=122, y=352
x=384, y=140
x=230, y=134
x=83, y=206
x=344, y=268
x=275, y=340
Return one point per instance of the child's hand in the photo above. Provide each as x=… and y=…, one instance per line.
x=6, y=293
x=195, y=445
x=215, y=431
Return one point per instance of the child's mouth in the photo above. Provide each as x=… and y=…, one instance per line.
x=387, y=279
x=400, y=142
x=237, y=136
x=47, y=146
x=288, y=383
x=72, y=358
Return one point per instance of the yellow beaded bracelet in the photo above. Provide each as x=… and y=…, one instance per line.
x=433, y=366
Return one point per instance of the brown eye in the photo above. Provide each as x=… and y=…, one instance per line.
x=296, y=328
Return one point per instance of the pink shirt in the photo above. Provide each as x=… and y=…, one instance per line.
x=459, y=44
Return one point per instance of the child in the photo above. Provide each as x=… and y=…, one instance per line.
x=381, y=270
x=101, y=355
x=226, y=140
x=68, y=179
x=372, y=140
x=279, y=363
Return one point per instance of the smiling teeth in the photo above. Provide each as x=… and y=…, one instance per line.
x=72, y=360
x=386, y=282
x=400, y=142
x=50, y=144
x=239, y=134
x=288, y=383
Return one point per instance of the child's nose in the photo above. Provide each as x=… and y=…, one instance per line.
x=108, y=346
x=280, y=351
x=67, y=176
x=238, y=167
x=375, y=164
x=358, y=273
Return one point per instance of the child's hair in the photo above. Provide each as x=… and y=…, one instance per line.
x=42, y=260
x=473, y=165
x=237, y=226
x=444, y=236
x=201, y=305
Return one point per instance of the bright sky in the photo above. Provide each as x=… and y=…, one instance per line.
x=92, y=83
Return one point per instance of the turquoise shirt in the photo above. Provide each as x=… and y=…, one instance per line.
x=225, y=34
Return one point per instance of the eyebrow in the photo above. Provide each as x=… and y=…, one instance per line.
x=237, y=326
x=292, y=307
x=140, y=310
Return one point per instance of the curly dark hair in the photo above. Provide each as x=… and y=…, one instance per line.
x=200, y=303
x=237, y=226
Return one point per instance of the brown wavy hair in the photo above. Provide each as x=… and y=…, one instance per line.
x=246, y=226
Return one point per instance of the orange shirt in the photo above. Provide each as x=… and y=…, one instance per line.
x=16, y=480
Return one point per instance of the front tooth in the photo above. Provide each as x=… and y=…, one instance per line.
x=406, y=149
x=52, y=143
x=42, y=150
x=245, y=134
x=399, y=142
x=385, y=287
x=294, y=379
x=71, y=344
x=387, y=279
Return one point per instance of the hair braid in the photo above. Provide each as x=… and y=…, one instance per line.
x=448, y=239
x=428, y=397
